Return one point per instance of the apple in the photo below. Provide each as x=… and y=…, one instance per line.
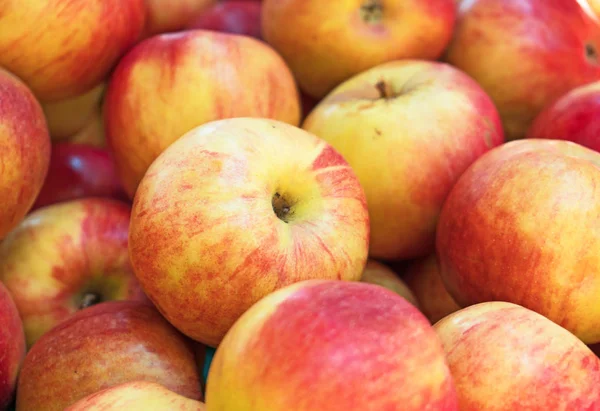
x=535, y=51
x=136, y=395
x=92, y=133
x=331, y=345
x=100, y=347
x=79, y=171
x=165, y=16
x=235, y=16
x=236, y=209
x=68, y=117
x=207, y=76
x=380, y=274
x=572, y=117
x=65, y=48
x=423, y=278
x=25, y=153
x=409, y=129
x=12, y=347
x=520, y=226
x=66, y=257
x=326, y=43
x=506, y=357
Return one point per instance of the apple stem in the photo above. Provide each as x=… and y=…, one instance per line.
x=372, y=11
x=590, y=53
x=382, y=87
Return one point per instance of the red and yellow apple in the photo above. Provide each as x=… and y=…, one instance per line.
x=408, y=129
x=331, y=345
x=136, y=395
x=79, y=171
x=164, y=16
x=520, y=225
x=573, y=117
x=525, y=53
x=326, y=43
x=103, y=346
x=236, y=209
x=92, y=133
x=65, y=48
x=380, y=274
x=423, y=278
x=25, y=149
x=153, y=100
x=234, y=16
x=12, y=347
x=504, y=357
x=65, y=257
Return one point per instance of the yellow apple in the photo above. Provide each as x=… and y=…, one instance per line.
x=380, y=274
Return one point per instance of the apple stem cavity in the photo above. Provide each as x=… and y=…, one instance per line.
x=89, y=299
x=591, y=53
x=383, y=89
x=281, y=207
x=371, y=11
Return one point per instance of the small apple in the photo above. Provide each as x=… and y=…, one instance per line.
x=136, y=395
x=520, y=226
x=505, y=357
x=65, y=257
x=267, y=203
x=25, y=152
x=423, y=278
x=380, y=274
x=111, y=343
x=207, y=76
x=573, y=117
x=234, y=16
x=326, y=43
x=12, y=347
x=79, y=171
x=164, y=16
x=408, y=129
x=65, y=48
x=331, y=345
x=525, y=53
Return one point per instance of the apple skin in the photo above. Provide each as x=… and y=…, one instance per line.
x=25, y=153
x=506, y=357
x=65, y=48
x=326, y=43
x=207, y=76
x=423, y=278
x=136, y=395
x=103, y=346
x=238, y=168
x=62, y=252
x=165, y=16
x=235, y=16
x=12, y=347
x=520, y=226
x=538, y=47
x=434, y=122
x=573, y=117
x=79, y=171
x=380, y=274
x=345, y=343
x=92, y=133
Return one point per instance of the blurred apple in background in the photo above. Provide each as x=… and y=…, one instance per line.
x=68, y=117
x=65, y=48
x=504, y=357
x=164, y=16
x=65, y=257
x=380, y=274
x=103, y=346
x=207, y=76
x=79, y=171
x=234, y=16
x=573, y=117
x=326, y=43
x=535, y=51
x=423, y=279
x=136, y=395
x=408, y=129
x=331, y=345
x=520, y=225
x=12, y=347
x=267, y=203
x=25, y=153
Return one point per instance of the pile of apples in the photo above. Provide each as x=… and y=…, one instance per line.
x=294, y=205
